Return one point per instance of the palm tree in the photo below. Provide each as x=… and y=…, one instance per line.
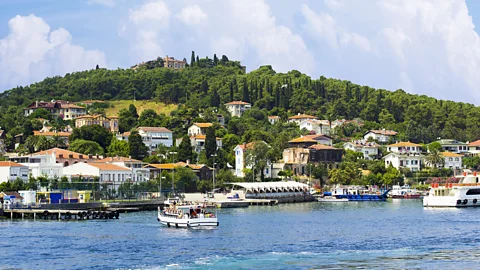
x=435, y=158
x=57, y=141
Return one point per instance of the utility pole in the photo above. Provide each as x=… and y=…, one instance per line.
x=173, y=176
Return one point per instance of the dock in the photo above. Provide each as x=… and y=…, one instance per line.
x=59, y=214
x=261, y=201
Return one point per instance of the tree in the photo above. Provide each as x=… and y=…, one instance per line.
x=435, y=146
x=257, y=157
x=192, y=59
x=210, y=142
x=127, y=119
x=138, y=150
x=95, y=133
x=118, y=148
x=435, y=158
x=185, y=179
x=392, y=176
x=86, y=147
x=185, y=149
x=246, y=95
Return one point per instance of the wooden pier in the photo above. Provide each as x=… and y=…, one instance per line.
x=59, y=214
x=261, y=201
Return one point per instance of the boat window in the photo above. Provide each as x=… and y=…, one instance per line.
x=475, y=191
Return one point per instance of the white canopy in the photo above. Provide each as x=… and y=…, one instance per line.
x=263, y=187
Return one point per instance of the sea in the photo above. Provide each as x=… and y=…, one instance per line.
x=397, y=234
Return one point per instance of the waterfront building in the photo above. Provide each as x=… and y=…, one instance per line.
x=404, y=155
x=58, y=108
x=139, y=172
x=198, y=129
x=202, y=171
x=10, y=171
x=241, y=152
x=453, y=160
x=111, y=174
x=237, y=108
x=454, y=146
x=45, y=165
x=368, y=149
x=474, y=147
x=381, y=135
x=297, y=158
x=110, y=122
x=67, y=157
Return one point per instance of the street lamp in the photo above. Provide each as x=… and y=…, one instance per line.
x=160, y=187
x=213, y=189
x=173, y=180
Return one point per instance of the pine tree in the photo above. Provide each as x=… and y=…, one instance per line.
x=215, y=59
x=192, y=59
x=215, y=98
x=204, y=87
x=246, y=95
x=138, y=150
x=210, y=142
x=185, y=149
x=231, y=91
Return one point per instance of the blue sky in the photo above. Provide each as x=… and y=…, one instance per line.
x=422, y=46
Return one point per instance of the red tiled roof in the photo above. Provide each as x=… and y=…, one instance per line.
x=203, y=125
x=237, y=103
x=384, y=132
x=64, y=153
x=302, y=116
x=118, y=159
x=10, y=164
x=51, y=133
x=108, y=167
x=475, y=143
x=154, y=129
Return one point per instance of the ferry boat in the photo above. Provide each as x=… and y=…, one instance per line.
x=187, y=216
x=466, y=193
x=405, y=192
x=359, y=195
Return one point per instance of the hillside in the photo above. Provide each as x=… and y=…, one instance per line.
x=141, y=105
x=210, y=83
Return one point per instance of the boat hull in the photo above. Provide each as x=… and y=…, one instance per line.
x=363, y=198
x=187, y=222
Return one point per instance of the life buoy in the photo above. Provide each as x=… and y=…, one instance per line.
x=474, y=200
x=465, y=201
x=459, y=201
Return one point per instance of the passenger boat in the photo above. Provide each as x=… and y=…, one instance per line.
x=187, y=216
x=466, y=193
x=359, y=195
x=405, y=192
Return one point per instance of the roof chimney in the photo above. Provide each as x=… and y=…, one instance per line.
x=188, y=161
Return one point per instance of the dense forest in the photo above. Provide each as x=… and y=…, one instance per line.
x=208, y=83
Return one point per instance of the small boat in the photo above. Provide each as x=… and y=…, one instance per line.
x=359, y=195
x=331, y=199
x=405, y=192
x=187, y=216
x=466, y=193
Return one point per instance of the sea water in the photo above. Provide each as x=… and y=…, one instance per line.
x=397, y=234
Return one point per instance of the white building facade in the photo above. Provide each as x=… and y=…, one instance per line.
x=382, y=136
x=10, y=171
x=240, y=161
x=237, y=108
x=107, y=173
x=368, y=149
x=404, y=155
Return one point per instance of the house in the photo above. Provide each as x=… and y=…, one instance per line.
x=58, y=108
x=110, y=122
x=41, y=165
x=315, y=126
x=172, y=63
x=341, y=122
x=382, y=135
x=111, y=174
x=139, y=173
x=237, y=108
x=10, y=171
x=454, y=146
x=51, y=134
x=321, y=139
x=240, y=160
x=404, y=155
x=198, y=142
x=302, y=142
x=297, y=158
x=152, y=137
x=300, y=117
x=198, y=128
x=368, y=149
x=452, y=161
x=67, y=157
x=474, y=147
x=273, y=119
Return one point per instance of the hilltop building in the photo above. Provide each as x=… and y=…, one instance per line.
x=110, y=122
x=237, y=108
x=58, y=108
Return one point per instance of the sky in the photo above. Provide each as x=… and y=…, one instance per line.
x=428, y=47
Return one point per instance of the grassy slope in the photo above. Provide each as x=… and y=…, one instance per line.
x=141, y=105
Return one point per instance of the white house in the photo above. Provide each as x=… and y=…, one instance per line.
x=152, y=137
x=300, y=118
x=404, y=155
x=452, y=160
x=273, y=119
x=240, y=161
x=454, y=146
x=198, y=128
x=381, y=135
x=10, y=171
x=112, y=174
x=474, y=147
x=368, y=149
x=316, y=126
x=42, y=165
x=198, y=142
x=139, y=173
x=237, y=108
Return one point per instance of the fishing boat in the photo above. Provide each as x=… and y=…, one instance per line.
x=465, y=193
x=405, y=192
x=187, y=216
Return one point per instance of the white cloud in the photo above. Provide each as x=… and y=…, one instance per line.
x=107, y=3
x=31, y=52
x=143, y=30
x=192, y=15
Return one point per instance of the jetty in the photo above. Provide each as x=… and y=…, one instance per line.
x=59, y=214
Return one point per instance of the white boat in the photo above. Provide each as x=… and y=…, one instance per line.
x=466, y=193
x=332, y=199
x=187, y=216
x=404, y=192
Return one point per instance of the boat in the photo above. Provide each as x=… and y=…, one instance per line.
x=465, y=193
x=187, y=216
x=331, y=199
x=359, y=195
x=404, y=192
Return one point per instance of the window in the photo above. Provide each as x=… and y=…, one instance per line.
x=475, y=191
x=450, y=159
x=457, y=159
x=407, y=162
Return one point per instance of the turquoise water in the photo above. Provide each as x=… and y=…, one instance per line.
x=364, y=235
